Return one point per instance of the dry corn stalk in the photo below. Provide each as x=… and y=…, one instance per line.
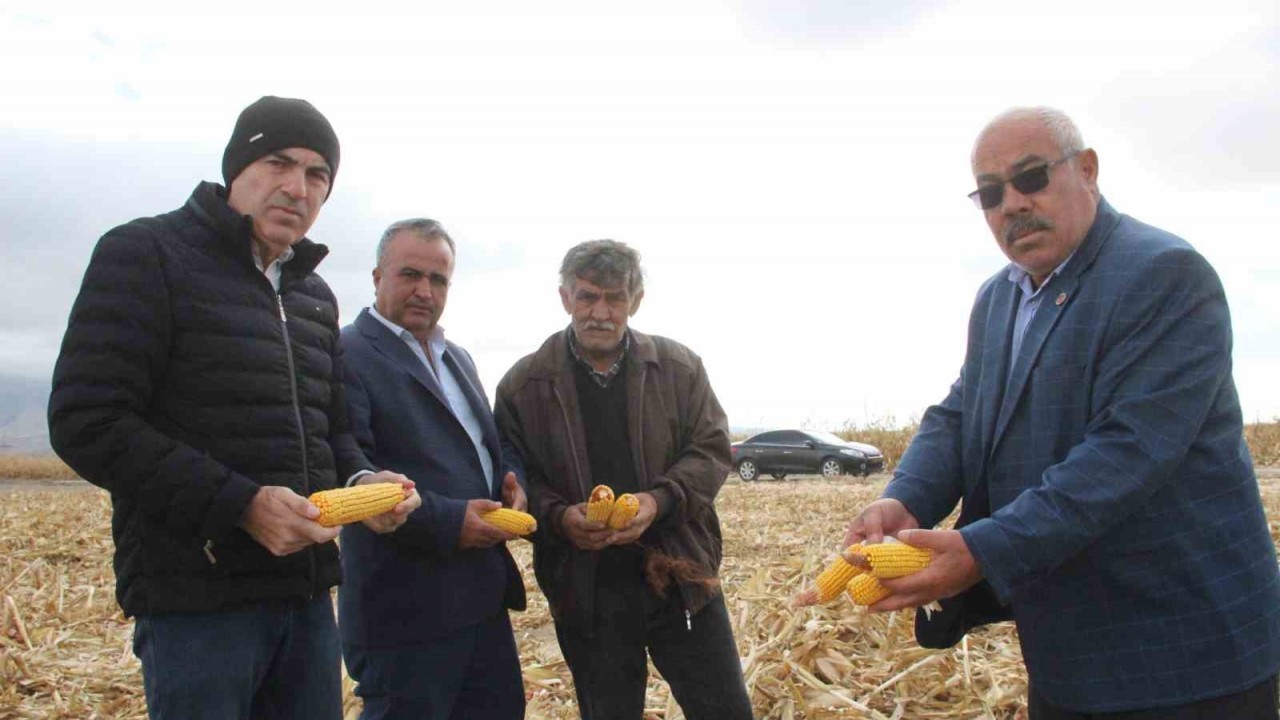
x=356, y=503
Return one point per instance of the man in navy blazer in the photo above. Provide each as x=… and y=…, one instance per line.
x=423, y=618
x=1095, y=437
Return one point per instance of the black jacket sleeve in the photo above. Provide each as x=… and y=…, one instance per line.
x=113, y=357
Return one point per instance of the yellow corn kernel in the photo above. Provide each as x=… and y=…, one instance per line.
x=894, y=559
x=866, y=590
x=353, y=504
x=624, y=508
x=600, y=504
x=837, y=575
x=512, y=521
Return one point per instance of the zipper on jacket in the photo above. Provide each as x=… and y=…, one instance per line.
x=208, y=552
x=644, y=470
x=573, y=448
x=302, y=432
x=688, y=620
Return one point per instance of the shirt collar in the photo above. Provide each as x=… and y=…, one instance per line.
x=1022, y=279
x=435, y=341
x=283, y=258
x=601, y=378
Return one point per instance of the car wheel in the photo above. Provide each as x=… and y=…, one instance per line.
x=831, y=467
x=748, y=471
x=779, y=476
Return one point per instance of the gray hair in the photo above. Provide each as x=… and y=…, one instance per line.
x=606, y=263
x=1064, y=132
x=425, y=228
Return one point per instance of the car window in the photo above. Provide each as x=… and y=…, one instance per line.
x=826, y=437
x=791, y=437
x=766, y=437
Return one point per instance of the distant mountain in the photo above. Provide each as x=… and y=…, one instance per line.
x=23, y=427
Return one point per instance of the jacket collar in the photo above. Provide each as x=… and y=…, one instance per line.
x=1104, y=222
x=553, y=361
x=234, y=232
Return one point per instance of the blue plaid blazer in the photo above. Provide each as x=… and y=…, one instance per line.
x=1126, y=529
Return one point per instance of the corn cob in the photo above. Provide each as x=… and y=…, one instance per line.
x=893, y=559
x=833, y=580
x=866, y=590
x=353, y=504
x=600, y=505
x=512, y=521
x=624, y=508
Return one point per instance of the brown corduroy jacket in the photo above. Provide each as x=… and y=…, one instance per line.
x=680, y=442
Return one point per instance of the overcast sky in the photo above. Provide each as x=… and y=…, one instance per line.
x=794, y=172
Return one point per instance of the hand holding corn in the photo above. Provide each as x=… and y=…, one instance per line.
x=859, y=568
x=283, y=522
x=604, y=520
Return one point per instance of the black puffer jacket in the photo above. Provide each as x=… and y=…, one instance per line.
x=181, y=390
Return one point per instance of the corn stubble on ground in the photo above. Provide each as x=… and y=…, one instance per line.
x=65, y=650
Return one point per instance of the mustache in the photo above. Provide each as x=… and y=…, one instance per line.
x=1024, y=225
x=287, y=203
x=597, y=325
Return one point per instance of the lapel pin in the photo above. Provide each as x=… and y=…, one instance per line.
x=1062, y=297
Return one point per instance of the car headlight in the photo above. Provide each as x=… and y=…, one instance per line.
x=851, y=452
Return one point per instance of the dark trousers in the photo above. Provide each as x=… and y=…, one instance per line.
x=473, y=673
x=1256, y=703
x=272, y=660
x=696, y=655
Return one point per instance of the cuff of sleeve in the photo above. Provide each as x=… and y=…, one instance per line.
x=666, y=501
x=994, y=556
x=229, y=506
x=355, y=477
x=917, y=500
x=554, y=529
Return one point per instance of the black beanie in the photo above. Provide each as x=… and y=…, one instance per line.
x=276, y=123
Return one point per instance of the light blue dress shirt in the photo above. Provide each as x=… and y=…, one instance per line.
x=1031, y=297
x=451, y=386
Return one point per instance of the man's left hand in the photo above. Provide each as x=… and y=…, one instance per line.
x=391, y=520
x=951, y=571
x=512, y=494
x=643, y=519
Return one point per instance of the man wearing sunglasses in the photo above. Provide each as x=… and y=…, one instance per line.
x=1110, y=506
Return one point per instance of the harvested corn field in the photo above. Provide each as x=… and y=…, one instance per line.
x=65, y=649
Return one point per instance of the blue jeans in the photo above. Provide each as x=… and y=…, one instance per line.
x=270, y=660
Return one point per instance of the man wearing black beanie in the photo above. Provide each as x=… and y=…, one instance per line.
x=200, y=382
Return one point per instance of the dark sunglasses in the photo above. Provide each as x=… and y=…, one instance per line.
x=1031, y=180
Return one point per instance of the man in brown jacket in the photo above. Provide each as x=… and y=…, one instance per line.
x=601, y=404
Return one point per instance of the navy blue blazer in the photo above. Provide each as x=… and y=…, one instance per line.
x=1126, y=528
x=413, y=585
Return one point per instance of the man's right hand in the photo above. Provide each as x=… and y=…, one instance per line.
x=585, y=534
x=885, y=516
x=283, y=521
x=477, y=533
